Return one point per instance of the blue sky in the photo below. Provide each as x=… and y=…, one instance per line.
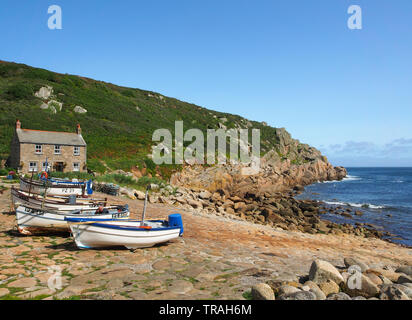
x=293, y=64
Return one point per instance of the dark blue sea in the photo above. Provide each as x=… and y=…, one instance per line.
x=384, y=195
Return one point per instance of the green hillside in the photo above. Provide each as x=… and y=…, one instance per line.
x=119, y=122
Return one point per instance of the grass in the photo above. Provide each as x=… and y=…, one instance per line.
x=97, y=289
x=10, y=297
x=226, y=276
x=192, y=280
x=71, y=298
x=148, y=289
x=52, y=254
x=247, y=295
x=40, y=297
x=10, y=181
x=65, y=273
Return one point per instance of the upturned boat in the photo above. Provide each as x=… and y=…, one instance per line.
x=54, y=187
x=62, y=203
x=91, y=233
x=32, y=220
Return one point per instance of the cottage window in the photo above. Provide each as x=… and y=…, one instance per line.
x=76, y=166
x=33, y=167
x=39, y=149
x=76, y=151
x=46, y=166
x=57, y=149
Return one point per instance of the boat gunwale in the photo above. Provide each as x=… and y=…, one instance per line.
x=118, y=227
x=19, y=194
x=74, y=213
x=59, y=186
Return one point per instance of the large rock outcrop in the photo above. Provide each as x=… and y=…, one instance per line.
x=288, y=165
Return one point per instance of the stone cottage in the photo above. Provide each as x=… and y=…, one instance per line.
x=36, y=151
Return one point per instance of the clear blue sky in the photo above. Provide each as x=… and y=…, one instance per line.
x=293, y=64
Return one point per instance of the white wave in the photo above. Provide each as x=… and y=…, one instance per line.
x=351, y=178
x=332, y=181
x=398, y=181
x=357, y=205
x=347, y=178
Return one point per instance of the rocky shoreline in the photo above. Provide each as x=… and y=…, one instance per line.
x=279, y=210
x=219, y=257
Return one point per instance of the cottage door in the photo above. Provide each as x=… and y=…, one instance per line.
x=59, y=166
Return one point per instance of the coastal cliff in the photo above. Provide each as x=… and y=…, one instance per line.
x=289, y=165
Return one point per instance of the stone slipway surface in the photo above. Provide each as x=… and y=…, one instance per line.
x=217, y=258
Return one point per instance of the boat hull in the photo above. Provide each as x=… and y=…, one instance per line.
x=20, y=198
x=115, y=234
x=31, y=220
x=60, y=190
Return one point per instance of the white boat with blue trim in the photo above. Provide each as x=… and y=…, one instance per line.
x=32, y=220
x=89, y=233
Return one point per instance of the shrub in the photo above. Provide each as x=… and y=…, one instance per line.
x=33, y=73
x=144, y=181
x=150, y=165
x=20, y=91
x=128, y=93
x=95, y=165
x=72, y=81
x=9, y=70
x=118, y=179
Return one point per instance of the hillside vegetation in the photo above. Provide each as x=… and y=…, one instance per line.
x=119, y=122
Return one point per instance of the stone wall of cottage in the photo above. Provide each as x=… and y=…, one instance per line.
x=28, y=154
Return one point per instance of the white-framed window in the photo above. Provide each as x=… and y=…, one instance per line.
x=46, y=166
x=33, y=166
x=39, y=149
x=76, y=166
x=57, y=149
x=76, y=151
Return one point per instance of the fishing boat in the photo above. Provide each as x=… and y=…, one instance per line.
x=31, y=220
x=133, y=234
x=62, y=203
x=52, y=187
x=90, y=233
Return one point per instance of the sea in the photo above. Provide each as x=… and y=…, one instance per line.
x=384, y=195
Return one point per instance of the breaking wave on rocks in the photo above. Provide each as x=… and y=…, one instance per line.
x=357, y=205
x=351, y=178
x=347, y=178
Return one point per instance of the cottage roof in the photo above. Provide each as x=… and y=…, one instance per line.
x=50, y=137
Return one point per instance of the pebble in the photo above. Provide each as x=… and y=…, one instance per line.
x=339, y=296
x=301, y=295
x=262, y=291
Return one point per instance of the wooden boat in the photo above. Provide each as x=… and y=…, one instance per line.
x=132, y=234
x=55, y=203
x=52, y=187
x=31, y=220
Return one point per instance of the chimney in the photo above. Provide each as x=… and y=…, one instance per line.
x=79, y=129
x=18, y=124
